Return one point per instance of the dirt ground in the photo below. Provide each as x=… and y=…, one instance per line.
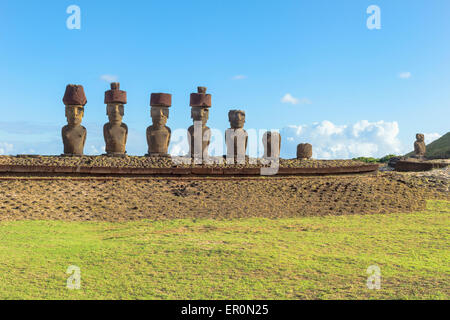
x=125, y=199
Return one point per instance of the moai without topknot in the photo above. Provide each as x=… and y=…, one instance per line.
x=236, y=138
x=419, y=146
x=199, y=135
x=158, y=134
x=115, y=131
x=304, y=151
x=74, y=134
x=272, y=145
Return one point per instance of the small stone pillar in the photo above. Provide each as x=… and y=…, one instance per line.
x=419, y=147
x=199, y=135
x=115, y=131
x=74, y=134
x=236, y=138
x=272, y=145
x=158, y=134
x=304, y=151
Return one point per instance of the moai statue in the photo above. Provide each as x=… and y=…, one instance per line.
x=272, y=145
x=419, y=146
x=74, y=134
x=304, y=151
x=199, y=135
x=158, y=134
x=236, y=138
x=115, y=131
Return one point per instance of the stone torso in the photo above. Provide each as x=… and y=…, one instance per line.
x=74, y=139
x=272, y=139
x=115, y=138
x=206, y=134
x=158, y=139
x=237, y=143
x=419, y=148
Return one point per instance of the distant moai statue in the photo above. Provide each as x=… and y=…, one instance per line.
x=158, y=134
x=115, y=131
x=74, y=134
x=272, y=144
x=199, y=135
x=236, y=138
x=419, y=146
x=304, y=151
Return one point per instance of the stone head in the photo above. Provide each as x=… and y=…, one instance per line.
x=74, y=114
x=115, y=112
x=200, y=114
x=159, y=111
x=236, y=118
x=420, y=137
x=159, y=115
x=115, y=99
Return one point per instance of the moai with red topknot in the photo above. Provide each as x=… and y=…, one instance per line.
x=199, y=135
x=158, y=134
x=115, y=131
x=74, y=134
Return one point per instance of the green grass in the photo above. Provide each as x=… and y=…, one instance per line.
x=384, y=159
x=301, y=258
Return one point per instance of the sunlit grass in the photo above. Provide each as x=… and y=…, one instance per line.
x=296, y=258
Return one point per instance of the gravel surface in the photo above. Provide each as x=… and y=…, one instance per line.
x=148, y=162
x=438, y=179
x=126, y=199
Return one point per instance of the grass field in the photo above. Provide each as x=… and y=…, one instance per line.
x=295, y=258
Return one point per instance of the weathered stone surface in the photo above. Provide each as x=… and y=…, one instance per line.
x=393, y=161
x=236, y=118
x=304, y=151
x=115, y=132
x=417, y=165
x=419, y=146
x=270, y=138
x=115, y=95
x=160, y=100
x=199, y=135
x=201, y=98
x=74, y=134
x=236, y=138
x=158, y=134
x=57, y=162
x=74, y=95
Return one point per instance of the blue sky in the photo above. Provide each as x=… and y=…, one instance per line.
x=250, y=54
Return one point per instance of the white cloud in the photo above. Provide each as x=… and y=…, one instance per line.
x=430, y=137
x=109, y=78
x=6, y=148
x=179, y=145
x=239, y=77
x=304, y=101
x=288, y=98
x=96, y=150
x=404, y=75
x=331, y=141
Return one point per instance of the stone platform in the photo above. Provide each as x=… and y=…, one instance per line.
x=420, y=165
x=145, y=166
